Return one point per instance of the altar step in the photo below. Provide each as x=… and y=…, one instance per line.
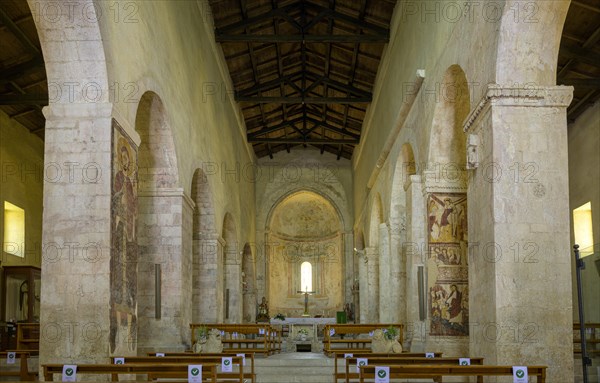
x=294, y=367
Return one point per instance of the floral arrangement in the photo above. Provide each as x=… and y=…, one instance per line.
x=202, y=332
x=390, y=333
x=303, y=331
x=279, y=316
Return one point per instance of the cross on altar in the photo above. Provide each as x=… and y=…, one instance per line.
x=306, y=294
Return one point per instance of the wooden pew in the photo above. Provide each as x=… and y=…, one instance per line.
x=401, y=360
x=367, y=373
x=196, y=359
x=28, y=336
x=153, y=370
x=248, y=355
x=354, y=344
x=23, y=372
x=337, y=356
x=593, y=342
x=252, y=345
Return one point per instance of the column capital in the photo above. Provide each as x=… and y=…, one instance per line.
x=526, y=96
x=439, y=182
x=62, y=111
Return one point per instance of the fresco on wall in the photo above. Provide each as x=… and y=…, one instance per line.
x=447, y=264
x=124, y=250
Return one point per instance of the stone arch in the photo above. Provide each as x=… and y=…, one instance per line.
x=529, y=41
x=248, y=285
x=158, y=193
x=395, y=296
x=447, y=148
x=205, y=252
x=305, y=225
x=157, y=156
x=232, y=273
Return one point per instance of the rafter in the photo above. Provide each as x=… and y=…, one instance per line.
x=23, y=99
x=307, y=141
x=304, y=100
x=253, y=38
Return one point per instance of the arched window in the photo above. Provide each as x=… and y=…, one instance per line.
x=306, y=276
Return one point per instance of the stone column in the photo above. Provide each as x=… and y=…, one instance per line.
x=520, y=274
x=205, y=290
x=348, y=271
x=370, y=306
x=414, y=253
x=76, y=234
x=161, y=239
x=233, y=282
x=385, y=273
x=398, y=271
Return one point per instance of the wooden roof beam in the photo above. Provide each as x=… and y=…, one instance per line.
x=253, y=38
x=304, y=100
x=307, y=141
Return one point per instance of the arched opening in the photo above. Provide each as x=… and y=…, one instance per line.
x=157, y=177
x=248, y=285
x=447, y=266
x=305, y=228
x=205, y=251
x=232, y=273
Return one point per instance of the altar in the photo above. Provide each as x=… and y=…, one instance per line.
x=295, y=339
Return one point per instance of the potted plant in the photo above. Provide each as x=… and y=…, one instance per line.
x=390, y=333
x=303, y=333
x=279, y=316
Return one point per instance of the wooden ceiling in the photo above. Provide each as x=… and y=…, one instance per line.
x=579, y=55
x=303, y=70
x=23, y=85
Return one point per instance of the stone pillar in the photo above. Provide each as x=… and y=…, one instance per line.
x=76, y=234
x=233, y=282
x=414, y=253
x=385, y=272
x=520, y=274
x=207, y=291
x=161, y=240
x=348, y=265
x=370, y=306
x=446, y=253
x=398, y=271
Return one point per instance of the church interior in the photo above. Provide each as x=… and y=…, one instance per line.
x=307, y=183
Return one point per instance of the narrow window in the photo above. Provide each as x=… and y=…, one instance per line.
x=14, y=230
x=306, y=276
x=582, y=225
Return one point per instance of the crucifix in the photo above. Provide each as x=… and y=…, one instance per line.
x=306, y=294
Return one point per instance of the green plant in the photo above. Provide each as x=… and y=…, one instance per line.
x=390, y=333
x=202, y=332
x=303, y=331
x=279, y=316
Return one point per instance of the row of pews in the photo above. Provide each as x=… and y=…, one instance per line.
x=364, y=366
x=188, y=367
x=259, y=338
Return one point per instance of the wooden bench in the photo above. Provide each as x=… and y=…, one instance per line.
x=248, y=355
x=401, y=360
x=196, y=359
x=367, y=373
x=337, y=356
x=354, y=344
x=153, y=370
x=28, y=336
x=23, y=372
x=260, y=343
x=593, y=341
